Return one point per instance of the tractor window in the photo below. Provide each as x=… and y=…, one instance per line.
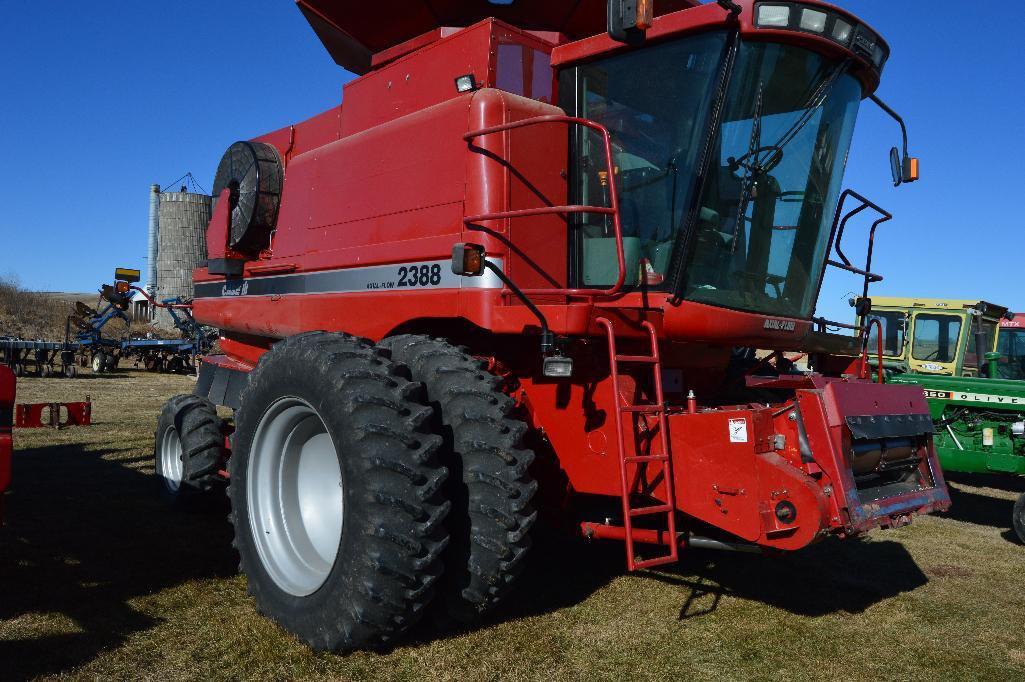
x=893, y=324
x=656, y=102
x=1011, y=346
x=989, y=330
x=935, y=338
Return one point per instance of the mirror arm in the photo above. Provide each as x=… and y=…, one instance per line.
x=896, y=117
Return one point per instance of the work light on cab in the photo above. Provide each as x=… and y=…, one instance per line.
x=820, y=21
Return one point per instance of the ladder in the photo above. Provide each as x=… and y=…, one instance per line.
x=632, y=467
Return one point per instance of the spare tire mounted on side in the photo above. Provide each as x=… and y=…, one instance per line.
x=253, y=173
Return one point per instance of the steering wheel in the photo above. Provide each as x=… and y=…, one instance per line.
x=933, y=355
x=744, y=161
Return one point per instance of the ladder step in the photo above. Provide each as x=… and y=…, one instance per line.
x=656, y=561
x=653, y=509
x=641, y=409
x=644, y=359
x=646, y=458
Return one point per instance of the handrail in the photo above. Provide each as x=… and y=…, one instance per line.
x=612, y=209
x=838, y=231
x=864, y=349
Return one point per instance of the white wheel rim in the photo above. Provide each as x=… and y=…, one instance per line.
x=295, y=496
x=171, y=462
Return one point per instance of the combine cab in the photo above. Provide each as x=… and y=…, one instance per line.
x=522, y=271
x=969, y=357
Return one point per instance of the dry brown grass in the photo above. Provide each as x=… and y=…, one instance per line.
x=31, y=314
x=43, y=314
x=98, y=579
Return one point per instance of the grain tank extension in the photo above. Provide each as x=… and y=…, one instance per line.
x=519, y=274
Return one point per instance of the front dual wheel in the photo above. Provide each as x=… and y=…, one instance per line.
x=336, y=492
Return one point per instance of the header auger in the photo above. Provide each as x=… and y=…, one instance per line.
x=519, y=273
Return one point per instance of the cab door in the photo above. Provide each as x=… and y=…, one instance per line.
x=936, y=343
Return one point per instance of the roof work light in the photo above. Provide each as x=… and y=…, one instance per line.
x=796, y=16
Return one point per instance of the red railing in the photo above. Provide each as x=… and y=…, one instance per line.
x=879, y=354
x=612, y=209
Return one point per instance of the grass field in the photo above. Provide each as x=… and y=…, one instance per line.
x=99, y=579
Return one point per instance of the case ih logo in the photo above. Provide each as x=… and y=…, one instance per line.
x=780, y=325
x=235, y=289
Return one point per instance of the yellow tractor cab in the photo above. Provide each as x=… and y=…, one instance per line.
x=933, y=335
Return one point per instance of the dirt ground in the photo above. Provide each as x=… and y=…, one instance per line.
x=100, y=579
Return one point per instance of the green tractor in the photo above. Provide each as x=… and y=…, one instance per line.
x=969, y=358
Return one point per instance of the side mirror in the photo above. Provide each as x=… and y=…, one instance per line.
x=896, y=167
x=629, y=20
x=468, y=259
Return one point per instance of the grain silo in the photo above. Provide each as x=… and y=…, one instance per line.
x=181, y=246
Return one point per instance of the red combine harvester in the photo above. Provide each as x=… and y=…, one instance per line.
x=522, y=269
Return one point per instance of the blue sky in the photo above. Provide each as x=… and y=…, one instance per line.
x=101, y=99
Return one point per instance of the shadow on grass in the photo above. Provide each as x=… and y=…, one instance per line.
x=830, y=577
x=1008, y=482
x=833, y=576
x=982, y=510
x=84, y=536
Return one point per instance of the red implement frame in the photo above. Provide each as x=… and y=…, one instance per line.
x=30, y=415
x=612, y=209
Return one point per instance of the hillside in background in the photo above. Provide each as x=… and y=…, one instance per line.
x=43, y=315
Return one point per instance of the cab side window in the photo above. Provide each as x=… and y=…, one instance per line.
x=893, y=324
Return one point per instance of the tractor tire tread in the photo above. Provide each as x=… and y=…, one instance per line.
x=393, y=562
x=490, y=485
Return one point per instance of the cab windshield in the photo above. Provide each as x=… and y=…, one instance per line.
x=765, y=212
x=752, y=235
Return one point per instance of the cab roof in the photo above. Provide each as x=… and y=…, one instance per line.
x=918, y=303
x=353, y=32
